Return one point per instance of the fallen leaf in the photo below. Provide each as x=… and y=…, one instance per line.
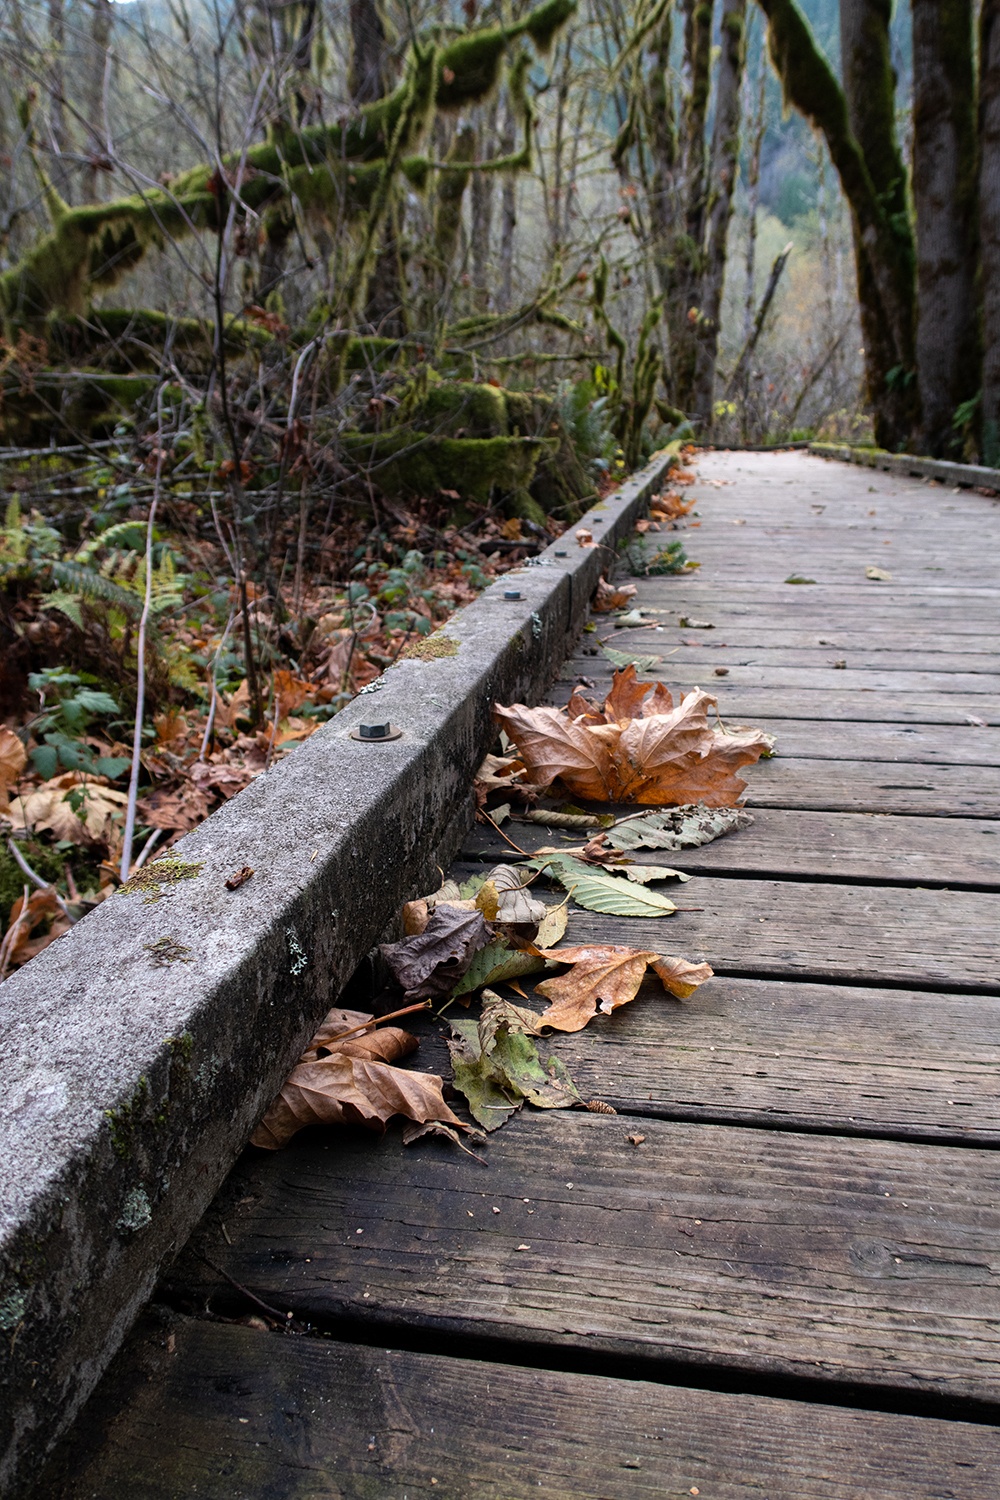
x=878, y=575
x=797, y=578
x=291, y=693
x=24, y=939
x=644, y=874
x=611, y=596
x=223, y=778
x=634, y=619
x=499, y=962
x=433, y=961
x=631, y=659
x=604, y=977
x=636, y=1140
x=239, y=877
x=497, y=1066
x=353, y=1084
x=13, y=758
x=585, y=538
x=74, y=806
x=552, y=818
x=598, y=891
x=181, y=810
x=683, y=827
x=635, y=750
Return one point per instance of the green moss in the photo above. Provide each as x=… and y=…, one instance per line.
x=432, y=648
x=123, y=1122
x=420, y=463
x=151, y=879
x=445, y=407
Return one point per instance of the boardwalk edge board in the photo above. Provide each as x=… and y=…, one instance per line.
x=142, y=1047
x=908, y=466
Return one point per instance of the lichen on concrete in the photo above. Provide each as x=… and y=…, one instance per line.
x=136, y=1211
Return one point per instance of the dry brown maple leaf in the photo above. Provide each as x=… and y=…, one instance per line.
x=603, y=977
x=353, y=1083
x=639, y=747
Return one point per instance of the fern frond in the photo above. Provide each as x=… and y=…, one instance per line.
x=93, y=585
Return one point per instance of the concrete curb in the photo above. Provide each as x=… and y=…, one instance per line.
x=969, y=475
x=130, y=1080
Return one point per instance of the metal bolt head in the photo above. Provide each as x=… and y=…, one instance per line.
x=377, y=731
x=512, y=593
x=561, y=552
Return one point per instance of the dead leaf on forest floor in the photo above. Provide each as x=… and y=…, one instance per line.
x=75, y=806
x=13, y=759
x=433, y=961
x=636, y=747
x=604, y=977
x=349, y=1080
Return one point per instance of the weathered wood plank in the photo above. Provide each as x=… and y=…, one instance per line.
x=238, y=1414
x=881, y=1062
x=788, y=929
x=872, y=1263
x=857, y=786
x=676, y=670
x=749, y=704
x=710, y=653
x=845, y=846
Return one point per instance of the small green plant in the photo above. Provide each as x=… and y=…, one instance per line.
x=69, y=706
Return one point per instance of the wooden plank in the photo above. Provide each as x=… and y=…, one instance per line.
x=788, y=929
x=239, y=1414
x=818, y=845
x=736, y=633
x=711, y=653
x=878, y=680
x=865, y=1061
x=748, y=704
x=872, y=1263
x=858, y=786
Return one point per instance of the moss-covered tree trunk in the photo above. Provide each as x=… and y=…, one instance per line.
x=870, y=89
x=369, y=77
x=944, y=194
x=884, y=250
x=989, y=223
x=93, y=103
x=685, y=258
x=722, y=176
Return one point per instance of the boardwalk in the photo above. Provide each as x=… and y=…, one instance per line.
x=776, y=1271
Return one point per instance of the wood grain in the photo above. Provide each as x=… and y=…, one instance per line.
x=783, y=929
x=309, y=1418
x=848, y=846
x=867, y=1262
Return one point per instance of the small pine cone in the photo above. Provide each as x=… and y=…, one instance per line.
x=598, y=1107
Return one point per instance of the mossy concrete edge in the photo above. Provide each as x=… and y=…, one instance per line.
x=969, y=476
x=130, y=1081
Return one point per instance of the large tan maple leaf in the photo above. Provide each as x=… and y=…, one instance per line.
x=638, y=747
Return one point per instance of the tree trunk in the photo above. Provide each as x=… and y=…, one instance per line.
x=93, y=103
x=944, y=192
x=368, y=82
x=758, y=131
x=869, y=84
x=481, y=230
x=508, y=214
x=57, y=90
x=686, y=252
x=724, y=167
x=989, y=223
x=884, y=252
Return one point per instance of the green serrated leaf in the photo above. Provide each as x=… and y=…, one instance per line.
x=498, y=961
x=617, y=897
x=685, y=827
x=630, y=659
